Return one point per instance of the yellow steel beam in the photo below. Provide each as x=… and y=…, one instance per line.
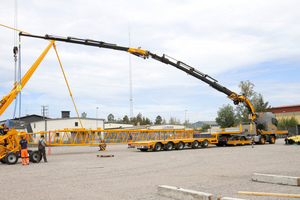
x=73, y=137
x=6, y=100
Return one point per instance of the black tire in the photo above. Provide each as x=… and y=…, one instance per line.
x=291, y=141
x=11, y=158
x=2, y=160
x=272, y=140
x=144, y=150
x=34, y=156
x=262, y=140
x=204, y=144
x=195, y=144
x=157, y=147
x=179, y=146
x=168, y=146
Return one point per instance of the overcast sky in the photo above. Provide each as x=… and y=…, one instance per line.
x=231, y=41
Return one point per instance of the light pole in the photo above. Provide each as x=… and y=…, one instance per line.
x=97, y=118
x=185, y=117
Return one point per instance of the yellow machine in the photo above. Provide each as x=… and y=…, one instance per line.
x=293, y=139
x=263, y=127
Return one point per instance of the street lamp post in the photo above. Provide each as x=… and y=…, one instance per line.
x=97, y=118
x=185, y=117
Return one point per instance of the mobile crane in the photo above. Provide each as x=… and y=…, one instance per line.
x=263, y=126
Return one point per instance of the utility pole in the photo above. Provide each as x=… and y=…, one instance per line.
x=45, y=114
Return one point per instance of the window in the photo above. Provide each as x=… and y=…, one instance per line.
x=76, y=123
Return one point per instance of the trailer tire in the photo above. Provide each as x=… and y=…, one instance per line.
x=168, y=146
x=272, y=140
x=204, y=144
x=179, y=146
x=2, y=160
x=195, y=144
x=34, y=156
x=11, y=158
x=291, y=141
x=157, y=147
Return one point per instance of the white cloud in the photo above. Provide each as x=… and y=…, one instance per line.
x=231, y=41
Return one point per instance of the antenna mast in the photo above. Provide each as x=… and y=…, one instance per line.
x=130, y=79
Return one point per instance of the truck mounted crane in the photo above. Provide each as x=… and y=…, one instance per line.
x=263, y=126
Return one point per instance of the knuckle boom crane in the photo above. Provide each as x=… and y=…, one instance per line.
x=262, y=125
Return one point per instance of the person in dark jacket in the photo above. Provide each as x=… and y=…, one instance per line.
x=24, y=151
x=42, y=149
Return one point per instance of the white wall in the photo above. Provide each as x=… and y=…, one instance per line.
x=58, y=124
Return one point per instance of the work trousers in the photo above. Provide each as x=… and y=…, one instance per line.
x=129, y=143
x=24, y=156
x=42, y=154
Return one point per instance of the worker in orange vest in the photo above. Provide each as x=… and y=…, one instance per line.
x=24, y=151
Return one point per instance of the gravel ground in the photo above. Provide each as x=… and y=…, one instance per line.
x=77, y=173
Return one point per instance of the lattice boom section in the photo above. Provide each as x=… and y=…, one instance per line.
x=72, y=137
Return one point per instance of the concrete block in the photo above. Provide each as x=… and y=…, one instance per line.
x=269, y=178
x=184, y=194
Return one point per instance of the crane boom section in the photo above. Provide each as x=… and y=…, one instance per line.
x=164, y=59
x=6, y=100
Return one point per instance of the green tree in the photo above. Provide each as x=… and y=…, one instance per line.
x=288, y=122
x=164, y=121
x=226, y=116
x=247, y=90
x=147, y=121
x=257, y=101
x=110, y=118
x=186, y=123
x=158, y=120
x=205, y=127
x=174, y=121
x=259, y=104
x=126, y=119
x=139, y=119
x=83, y=115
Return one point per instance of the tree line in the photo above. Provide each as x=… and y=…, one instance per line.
x=228, y=116
x=141, y=120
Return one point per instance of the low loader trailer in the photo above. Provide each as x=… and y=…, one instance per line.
x=197, y=140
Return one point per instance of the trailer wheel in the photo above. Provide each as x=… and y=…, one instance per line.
x=157, y=147
x=262, y=140
x=291, y=141
x=34, y=156
x=179, y=146
x=195, y=144
x=168, y=146
x=2, y=160
x=272, y=140
x=204, y=144
x=11, y=158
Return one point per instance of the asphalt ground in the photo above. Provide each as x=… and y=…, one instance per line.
x=75, y=172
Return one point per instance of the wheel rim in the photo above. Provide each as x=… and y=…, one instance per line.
x=11, y=158
x=195, y=144
x=180, y=145
x=272, y=140
x=262, y=140
x=158, y=147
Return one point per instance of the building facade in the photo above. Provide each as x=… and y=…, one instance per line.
x=287, y=112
